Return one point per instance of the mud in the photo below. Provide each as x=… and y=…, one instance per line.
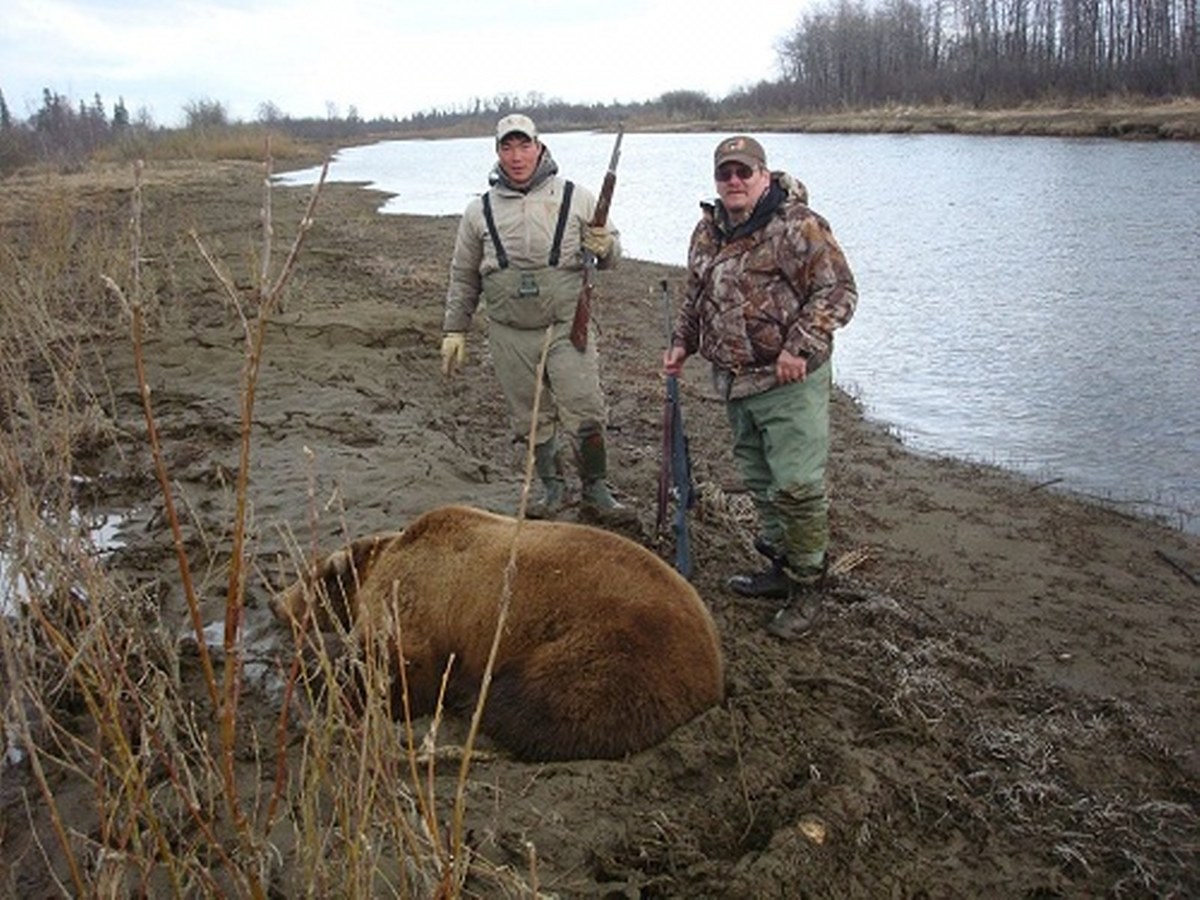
x=1001, y=700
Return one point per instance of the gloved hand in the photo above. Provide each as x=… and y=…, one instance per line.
x=597, y=240
x=454, y=352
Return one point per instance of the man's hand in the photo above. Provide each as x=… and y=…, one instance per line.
x=673, y=360
x=790, y=368
x=597, y=240
x=454, y=352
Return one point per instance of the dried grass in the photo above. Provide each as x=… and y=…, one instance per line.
x=173, y=793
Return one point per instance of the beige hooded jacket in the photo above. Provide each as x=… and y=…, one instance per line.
x=525, y=223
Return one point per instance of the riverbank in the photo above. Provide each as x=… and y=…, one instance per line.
x=1001, y=700
x=1177, y=119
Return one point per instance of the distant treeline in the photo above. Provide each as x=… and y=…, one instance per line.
x=844, y=56
x=988, y=52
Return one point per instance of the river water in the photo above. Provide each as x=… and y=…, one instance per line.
x=1028, y=302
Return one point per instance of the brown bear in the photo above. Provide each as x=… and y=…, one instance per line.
x=605, y=651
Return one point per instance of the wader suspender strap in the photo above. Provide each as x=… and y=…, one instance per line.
x=564, y=211
x=501, y=256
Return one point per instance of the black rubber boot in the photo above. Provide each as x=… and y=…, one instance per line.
x=769, y=549
x=771, y=583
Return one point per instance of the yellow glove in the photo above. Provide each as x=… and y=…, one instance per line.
x=454, y=352
x=598, y=240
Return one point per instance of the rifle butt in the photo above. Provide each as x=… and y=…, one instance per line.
x=579, y=325
x=600, y=216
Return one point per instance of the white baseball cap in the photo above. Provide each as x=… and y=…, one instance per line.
x=516, y=124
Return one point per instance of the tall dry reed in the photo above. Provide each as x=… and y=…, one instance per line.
x=142, y=772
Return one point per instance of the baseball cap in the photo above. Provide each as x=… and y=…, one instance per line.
x=516, y=123
x=740, y=148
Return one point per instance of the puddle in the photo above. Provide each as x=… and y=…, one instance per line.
x=101, y=531
x=259, y=644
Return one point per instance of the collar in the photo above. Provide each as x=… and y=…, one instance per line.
x=546, y=168
x=764, y=209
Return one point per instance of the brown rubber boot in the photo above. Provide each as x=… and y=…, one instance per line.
x=805, y=606
x=798, y=618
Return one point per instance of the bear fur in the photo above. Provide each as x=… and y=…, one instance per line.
x=606, y=648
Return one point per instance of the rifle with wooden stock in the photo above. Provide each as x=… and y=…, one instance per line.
x=583, y=305
x=675, y=471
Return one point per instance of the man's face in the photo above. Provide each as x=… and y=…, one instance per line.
x=739, y=186
x=518, y=157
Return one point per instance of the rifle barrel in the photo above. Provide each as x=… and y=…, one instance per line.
x=583, y=304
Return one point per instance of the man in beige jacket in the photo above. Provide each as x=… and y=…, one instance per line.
x=519, y=249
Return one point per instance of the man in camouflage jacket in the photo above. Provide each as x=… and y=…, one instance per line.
x=767, y=286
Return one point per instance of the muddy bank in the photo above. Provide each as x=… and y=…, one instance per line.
x=1002, y=700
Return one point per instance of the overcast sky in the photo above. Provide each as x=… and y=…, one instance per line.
x=385, y=57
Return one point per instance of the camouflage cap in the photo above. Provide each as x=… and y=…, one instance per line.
x=515, y=124
x=740, y=148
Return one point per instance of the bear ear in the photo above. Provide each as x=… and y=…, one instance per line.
x=303, y=596
x=328, y=592
x=360, y=555
x=338, y=578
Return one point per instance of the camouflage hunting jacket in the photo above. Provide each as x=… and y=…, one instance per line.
x=778, y=281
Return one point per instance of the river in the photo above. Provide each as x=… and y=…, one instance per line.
x=1032, y=303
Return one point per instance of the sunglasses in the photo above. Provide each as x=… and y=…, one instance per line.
x=743, y=172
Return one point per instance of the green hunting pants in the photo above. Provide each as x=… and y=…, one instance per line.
x=781, y=445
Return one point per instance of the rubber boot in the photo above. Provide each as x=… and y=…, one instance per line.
x=548, y=464
x=770, y=583
x=596, y=498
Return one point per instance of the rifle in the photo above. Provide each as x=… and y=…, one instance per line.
x=675, y=472
x=583, y=305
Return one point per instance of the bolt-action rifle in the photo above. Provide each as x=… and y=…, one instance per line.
x=675, y=472
x=583, y=305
